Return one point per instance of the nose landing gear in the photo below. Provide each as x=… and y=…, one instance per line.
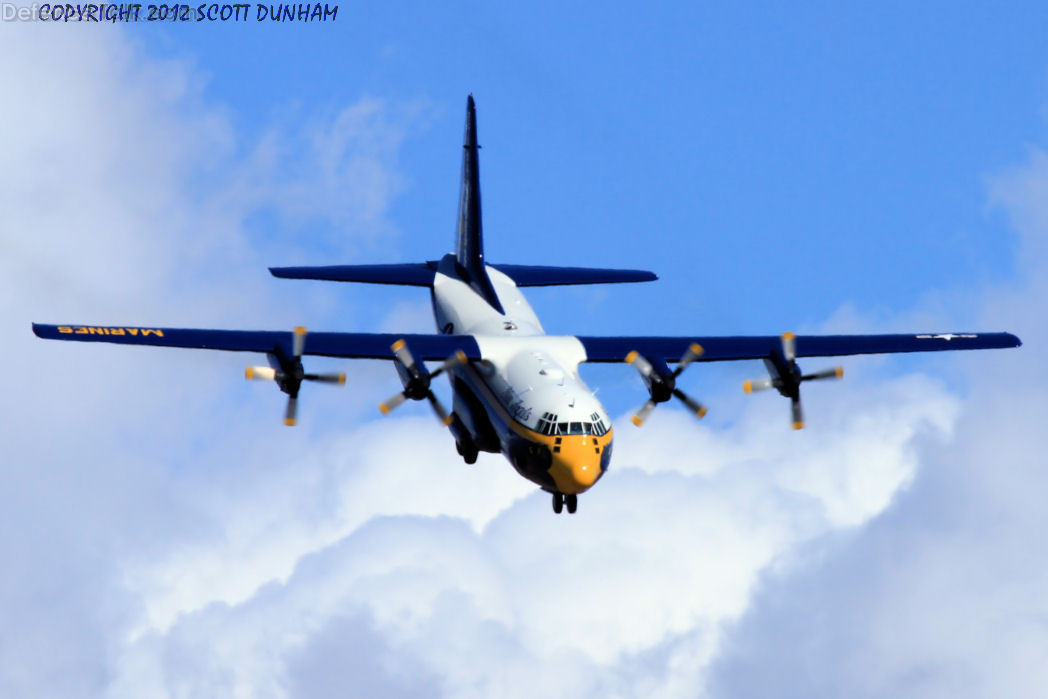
x=560, y=500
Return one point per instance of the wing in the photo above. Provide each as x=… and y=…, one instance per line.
x=671, y=349
x=326, y=344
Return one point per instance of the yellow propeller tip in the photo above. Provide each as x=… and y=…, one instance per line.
x=632, y=357
x=447, y=421
x=702, y=412
x=398, y=345
x=341, y=379
x=637, y=420
x=461, y=356
x=384, y=408
x=840, y=372
x=788, y=336
x=289, y=421
x=249, y=373
x=747, y=386
x=696, y=348
x=300, y=330
x=798, y=425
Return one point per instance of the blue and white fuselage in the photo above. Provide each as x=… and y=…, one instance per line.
x=525, y=398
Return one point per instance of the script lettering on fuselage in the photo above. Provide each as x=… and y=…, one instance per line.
x=89, y=330
x=515, y=405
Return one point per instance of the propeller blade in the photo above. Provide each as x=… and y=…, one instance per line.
x=298, y=341
x=789, y=346
x=835, y=373
x=339, y=378
x=697, y=408
x=643, y=413
x=392, y=403
x=260, y=373
x=693, y=353
x=798, y=414
x=643, y=365
x=400, y=349
x=455, y=360
x=758, y=385
x=291, y=412
x=445, y=419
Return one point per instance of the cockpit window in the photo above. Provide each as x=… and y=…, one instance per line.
x=548, y=425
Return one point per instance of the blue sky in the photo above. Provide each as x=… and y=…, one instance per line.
x=837, y=153
x=814, y=168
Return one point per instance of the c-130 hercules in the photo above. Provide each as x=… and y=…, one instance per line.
x=516, y=390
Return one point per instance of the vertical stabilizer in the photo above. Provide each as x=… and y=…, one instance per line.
x=469, y=249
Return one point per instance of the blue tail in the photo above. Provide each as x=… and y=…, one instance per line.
x=469, y=250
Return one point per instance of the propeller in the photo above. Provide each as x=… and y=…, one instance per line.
x=416, y=380
x=289, y=374
x=785, y=376
x=662, y=383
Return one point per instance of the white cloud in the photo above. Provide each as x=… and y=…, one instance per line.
x=943, y=595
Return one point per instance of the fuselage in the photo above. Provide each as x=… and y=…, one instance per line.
x=525, y=398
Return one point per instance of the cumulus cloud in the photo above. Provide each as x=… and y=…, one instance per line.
x=943, y=594
x=162, y=538
x=117, y=204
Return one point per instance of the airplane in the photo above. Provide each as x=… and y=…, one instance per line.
x=517, y=390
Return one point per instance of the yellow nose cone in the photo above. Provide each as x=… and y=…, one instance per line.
x=585, y=474
x=576, y=462
x=574, y=477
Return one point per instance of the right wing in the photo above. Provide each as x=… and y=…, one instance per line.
x=325, y=344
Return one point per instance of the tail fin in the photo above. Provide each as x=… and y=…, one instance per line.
x=469, y=250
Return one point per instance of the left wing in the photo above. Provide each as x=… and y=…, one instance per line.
x=326, y=344
x=727, y=348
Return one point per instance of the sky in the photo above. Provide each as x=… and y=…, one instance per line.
x=816, y=168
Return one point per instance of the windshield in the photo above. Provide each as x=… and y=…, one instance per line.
x=549, y=425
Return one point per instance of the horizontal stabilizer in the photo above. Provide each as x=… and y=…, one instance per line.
x=413, y=274
x=421, y=274
x=536, y=275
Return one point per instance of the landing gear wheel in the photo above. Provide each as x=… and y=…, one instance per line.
x=572, y=501
x=468, y=453
x=558, y=502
